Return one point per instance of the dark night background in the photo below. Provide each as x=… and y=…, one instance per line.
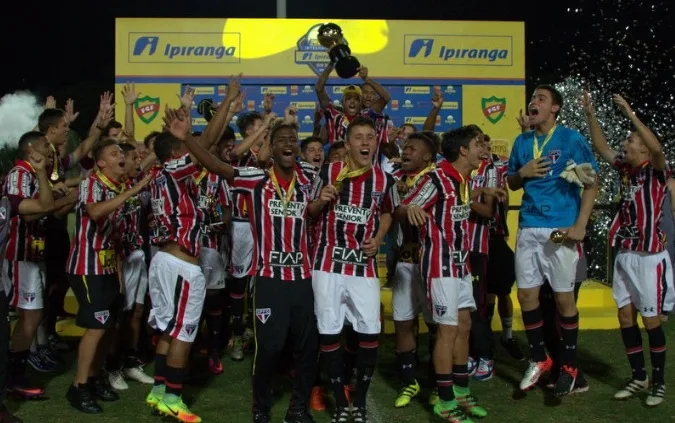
x=67, y=49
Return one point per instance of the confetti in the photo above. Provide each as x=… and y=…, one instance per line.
x=616, y=46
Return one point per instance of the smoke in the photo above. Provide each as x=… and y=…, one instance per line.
x=19, y=114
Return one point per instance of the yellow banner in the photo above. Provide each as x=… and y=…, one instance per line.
x=289, y=48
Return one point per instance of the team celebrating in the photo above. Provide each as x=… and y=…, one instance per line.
x=180, y=230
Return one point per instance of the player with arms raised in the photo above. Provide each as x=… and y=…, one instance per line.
x=642, y=268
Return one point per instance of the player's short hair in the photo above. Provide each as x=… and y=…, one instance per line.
x=430, y=143
x=336, y=146
x=100, y=145
x=49, y=118
x=228, y=134
x=279, y=126
x=112, y=125
x=453, y=140
x=246, y=121
x=149, y=137
x=307, y=141
x=475, y=129
x=127, y=147
x=556, y=96
x=409, y=125
x=486, y=137
x=165, y=144
x=30, y=137
x=360, y=121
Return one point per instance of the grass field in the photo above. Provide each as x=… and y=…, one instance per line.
x=227, y=398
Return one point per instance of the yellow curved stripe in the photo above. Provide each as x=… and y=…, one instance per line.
x=266, y=37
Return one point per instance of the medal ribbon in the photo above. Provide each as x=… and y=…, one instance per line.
x=410, y=182
x=55, y=166
x=538, y=150
x=285, y=199
x=30, y=166
x=347, y=173
x=117, y=188
x=463, y=189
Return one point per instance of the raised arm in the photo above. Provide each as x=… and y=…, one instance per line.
x=657, y=157
x=379, y=105
x=320, y=87
x=436, y=103
x=597, y=136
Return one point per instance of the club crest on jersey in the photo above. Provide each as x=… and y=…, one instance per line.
x=263, y=314
x=190, y=328
x=29, y=297
x=102, y=316
x=377, y=196
x=554, y=156
x=440, y=310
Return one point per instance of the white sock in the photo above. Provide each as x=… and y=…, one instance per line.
x=507, y=327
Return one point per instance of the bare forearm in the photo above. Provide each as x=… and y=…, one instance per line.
x=102, y=209
x=129, y=125
x=430, y=122
x=320, y=87
x=217, y=125
x=46, y=196
x=314, y=208
x=587, y=201
x=386, y=220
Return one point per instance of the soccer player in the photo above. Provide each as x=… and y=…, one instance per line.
x=134, y=274
x=538, y=160
x=93, y=271
x=642, y=268
x=283, y=298
x=252, y=127
x=501, y=273
x=311, y=151
x=213, y=203
x=353, y=202
x=409, y=290
x=440, y=205
x=23, y=265
x=10, y=206
x=482, y=210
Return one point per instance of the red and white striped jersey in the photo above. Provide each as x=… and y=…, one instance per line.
x=174, y=206
x=498, y=224
x=213, y=197
x=352, y=219
x=26, y=239
x=239, y=211
x=93, y=251
x=130, y=216
x=280, y=229
x=637, y=224
x=409, y=235
x=444, y=195
x=484, y=177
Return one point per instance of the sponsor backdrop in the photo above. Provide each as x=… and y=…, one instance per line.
x=480, y=66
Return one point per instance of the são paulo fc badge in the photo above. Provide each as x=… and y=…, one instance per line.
x=263, y=314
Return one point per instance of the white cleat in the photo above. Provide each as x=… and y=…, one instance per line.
x=137, y=374
x=117, y=381
x=632, y=388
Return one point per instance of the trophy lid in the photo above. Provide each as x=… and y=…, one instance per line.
x=330, y=34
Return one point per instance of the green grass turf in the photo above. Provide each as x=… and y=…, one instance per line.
x=227, y=398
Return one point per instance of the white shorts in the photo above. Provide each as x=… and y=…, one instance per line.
x=211, y=262
x=242, y=249
x=24, y=282
x=153, y=250
x=539, y=259
x=409, y=296
x=135, y=276
x=448, y=296
x=643, y=279
x=177, y=291
x=355, y=298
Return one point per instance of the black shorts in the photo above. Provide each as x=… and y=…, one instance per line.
x=478, y=279
x=99, y=298
x=501, y=268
